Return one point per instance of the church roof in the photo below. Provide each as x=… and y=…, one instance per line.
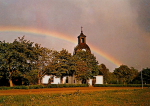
x=81, y=35
x=82, y=46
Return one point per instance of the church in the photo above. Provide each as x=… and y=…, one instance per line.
x=81, y=46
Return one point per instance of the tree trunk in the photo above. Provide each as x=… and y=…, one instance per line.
x=10, y=83
x=39, y=81
x=10, y=79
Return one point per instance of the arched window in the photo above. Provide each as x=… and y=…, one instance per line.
x=82, y=40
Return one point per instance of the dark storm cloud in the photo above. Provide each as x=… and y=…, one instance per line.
x=143, y=9
x=113, y=26
x=144, y=14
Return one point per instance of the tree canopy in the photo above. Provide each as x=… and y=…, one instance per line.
x=125, y=74
x=29, y=62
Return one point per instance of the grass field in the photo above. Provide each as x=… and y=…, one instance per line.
x=124, y=97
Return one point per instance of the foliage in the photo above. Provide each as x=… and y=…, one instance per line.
x=59, y=64
x=32, y=77
x=125, y=74
x=15, y=58
x=23, y=62
x=42, y=61
x=45, y=86
x=121, y=85
x=105, y=71
x=86, y=65
x=145, y=76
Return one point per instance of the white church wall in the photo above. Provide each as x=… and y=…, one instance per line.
x=90, y=82
x=45, y=79
x=56, y=80
x=64, y=80
x=99, y=79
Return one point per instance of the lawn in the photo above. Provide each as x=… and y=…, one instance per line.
x=125, y=97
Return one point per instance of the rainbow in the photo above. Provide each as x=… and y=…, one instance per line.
x=59, y=36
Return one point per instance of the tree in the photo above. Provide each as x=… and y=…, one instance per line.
x=86, y=65
x=125, y=74
x=60, y=63
x=82, y=73
x=134, y=74
x=146, y=75
x=15, y=58
x=43, y=57
x=105, y=71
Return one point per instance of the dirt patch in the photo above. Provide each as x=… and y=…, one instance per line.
x=60, y=90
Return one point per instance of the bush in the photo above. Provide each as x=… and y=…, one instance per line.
x=20, y=87
x=65, y=85
x=45, y=86
x=36, y=86
x=121, y=85
x=5, y=88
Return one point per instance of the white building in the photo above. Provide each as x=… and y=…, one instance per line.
x=51, y=79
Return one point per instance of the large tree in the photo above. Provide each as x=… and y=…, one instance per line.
x=146, y=75
x=125, y=74
x=60, y=63
x=105, y=71
x=43, y=59
x=86, y=65
x=15, y=58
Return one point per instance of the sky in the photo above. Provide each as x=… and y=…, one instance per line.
x=117, y=31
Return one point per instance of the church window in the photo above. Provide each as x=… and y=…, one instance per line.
x=82, y=40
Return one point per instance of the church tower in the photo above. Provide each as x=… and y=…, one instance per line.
x=82, y=43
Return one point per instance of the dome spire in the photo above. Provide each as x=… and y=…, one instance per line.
x=81, y=29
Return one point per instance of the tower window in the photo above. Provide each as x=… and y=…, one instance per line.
x=82, y=40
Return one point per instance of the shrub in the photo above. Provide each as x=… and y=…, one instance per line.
x=45, y=86
x=65, y=85
x=121, y=85
x=5, y=88
x=36, y=86
x=20, y=87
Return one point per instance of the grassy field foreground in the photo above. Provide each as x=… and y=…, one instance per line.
x=136, y=97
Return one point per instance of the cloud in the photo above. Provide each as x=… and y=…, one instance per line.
x=118, y=27
x=143, y=9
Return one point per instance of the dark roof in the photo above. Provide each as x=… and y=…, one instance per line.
x=82, y=46
x=81, y=35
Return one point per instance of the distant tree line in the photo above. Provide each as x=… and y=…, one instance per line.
x=125, y=75
x=23, y=62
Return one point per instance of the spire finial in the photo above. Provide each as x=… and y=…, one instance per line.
x=81, y=29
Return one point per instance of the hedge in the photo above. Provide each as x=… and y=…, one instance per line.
x=72, y=85
x=45, y=86
x=121, y=85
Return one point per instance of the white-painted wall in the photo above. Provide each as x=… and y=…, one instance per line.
x=64, y=80
x=99, y=79
x=90, y=82
x=47, y=77
x=56, y=80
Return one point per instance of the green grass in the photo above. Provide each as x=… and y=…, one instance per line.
x=136, y=97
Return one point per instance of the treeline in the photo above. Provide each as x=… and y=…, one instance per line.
x=125, y=75
x=23, y=62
